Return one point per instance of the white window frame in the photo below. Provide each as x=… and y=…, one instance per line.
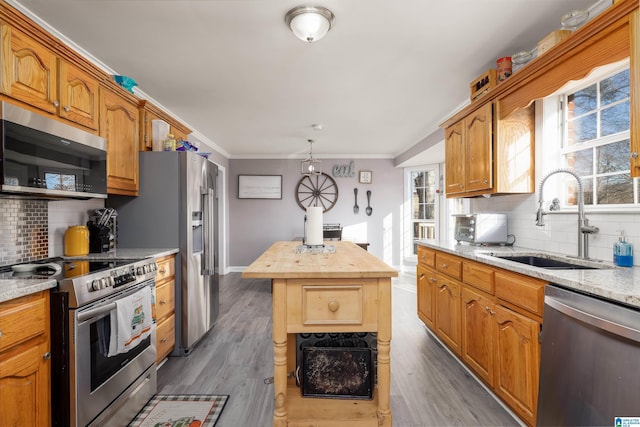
x=552, y=154
x=408, y=203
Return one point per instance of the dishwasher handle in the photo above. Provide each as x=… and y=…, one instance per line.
x=599, y=322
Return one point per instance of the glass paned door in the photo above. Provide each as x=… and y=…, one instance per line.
x=423, y=184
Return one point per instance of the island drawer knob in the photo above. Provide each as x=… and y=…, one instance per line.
x=334, y=306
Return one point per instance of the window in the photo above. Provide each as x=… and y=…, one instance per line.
x=423, y=204
x=595, y=140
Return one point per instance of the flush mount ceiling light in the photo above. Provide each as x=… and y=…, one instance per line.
x=309, y=23
x=311, y=166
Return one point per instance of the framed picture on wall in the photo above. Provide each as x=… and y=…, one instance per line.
x=365, y=177
x=259, y=186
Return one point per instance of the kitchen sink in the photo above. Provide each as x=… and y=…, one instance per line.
x=550, y=262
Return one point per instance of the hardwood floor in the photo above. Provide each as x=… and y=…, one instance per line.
x=428, y=387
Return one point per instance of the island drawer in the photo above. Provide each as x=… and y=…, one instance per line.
x=330, y=306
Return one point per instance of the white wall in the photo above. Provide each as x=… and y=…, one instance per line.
x=65, y=213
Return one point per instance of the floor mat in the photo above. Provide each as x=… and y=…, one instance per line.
x=181, y=410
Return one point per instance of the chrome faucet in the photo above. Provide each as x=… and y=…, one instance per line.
x=584, y=229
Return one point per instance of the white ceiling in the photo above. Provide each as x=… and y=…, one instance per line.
x=385, y=76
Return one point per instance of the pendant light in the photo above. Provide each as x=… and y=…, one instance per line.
x=311, y=166
x=309, y=23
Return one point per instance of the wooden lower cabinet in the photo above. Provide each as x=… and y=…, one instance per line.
x=448, y=313
x=478, y=333
x=165, y=307
x=25, y=361
x=427, y=281
x=491, y=320
x=517, y=362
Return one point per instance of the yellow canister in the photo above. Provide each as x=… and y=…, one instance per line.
x=76, y=241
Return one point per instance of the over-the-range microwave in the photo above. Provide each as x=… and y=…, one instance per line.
x=43, y=157
x=481, y=228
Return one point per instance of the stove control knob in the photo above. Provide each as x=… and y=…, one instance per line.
x=111, y=281
x=95, y=285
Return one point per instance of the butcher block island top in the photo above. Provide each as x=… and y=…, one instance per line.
x=348, y=290
x=349, y=260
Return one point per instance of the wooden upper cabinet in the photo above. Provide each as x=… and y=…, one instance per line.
x=611, y=36
x=455, y=158
x=35, y=75
x=479, y=135
x=78, y=96
x=29, y=70
x=148, y=113
x=119, y=126
x=487, y=155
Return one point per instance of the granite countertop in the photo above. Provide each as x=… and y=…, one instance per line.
x=620, y=284
x=14, y=288
x=128, y=253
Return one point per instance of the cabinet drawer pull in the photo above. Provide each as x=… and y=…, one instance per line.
x=163, y=340
x=433, y=279
x=334, y=306
x=162, y=271
x=47, y=355
x=163, y=302
x=421, y=276
x=444, y=265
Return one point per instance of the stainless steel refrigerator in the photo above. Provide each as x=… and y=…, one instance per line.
x=177, y=208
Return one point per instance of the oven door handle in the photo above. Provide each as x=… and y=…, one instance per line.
x=85, y=315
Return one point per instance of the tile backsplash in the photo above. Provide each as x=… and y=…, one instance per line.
x=34, y=229
x=560, y=233
x=24, y=230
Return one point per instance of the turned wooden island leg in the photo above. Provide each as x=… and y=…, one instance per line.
x=279, y=353
x=384, y=347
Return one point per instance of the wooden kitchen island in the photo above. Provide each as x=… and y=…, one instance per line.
x=345, y=291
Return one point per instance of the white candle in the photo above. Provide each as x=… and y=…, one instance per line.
x=314, y=225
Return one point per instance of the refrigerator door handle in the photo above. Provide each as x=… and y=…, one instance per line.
x=209, y=238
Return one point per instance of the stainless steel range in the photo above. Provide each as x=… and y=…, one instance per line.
x=90, y=386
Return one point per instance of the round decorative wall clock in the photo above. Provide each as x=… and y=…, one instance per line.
x=317, y=190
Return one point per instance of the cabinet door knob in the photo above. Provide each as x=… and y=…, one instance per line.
x=634, y=155
x=0, y=334
x=485, y=181
x=56, y=103
x=67, y=108
x=334, y=306
x=47, y=355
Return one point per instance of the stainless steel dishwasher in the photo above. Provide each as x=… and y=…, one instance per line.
x=590, y=360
